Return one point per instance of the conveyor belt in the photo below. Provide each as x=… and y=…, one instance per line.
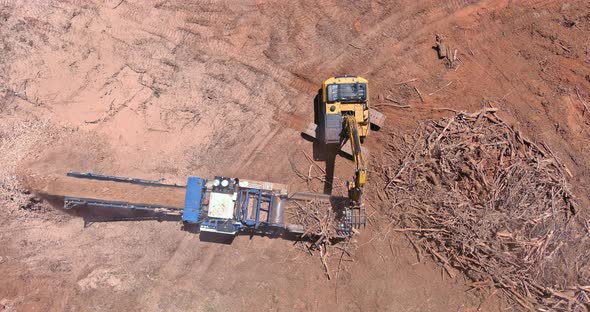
x=101, y=177
x=73, y=202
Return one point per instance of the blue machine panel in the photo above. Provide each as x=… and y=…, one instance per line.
x=193, y=199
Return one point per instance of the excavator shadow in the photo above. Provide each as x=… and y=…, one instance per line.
x=322, y=152
x=312, y=134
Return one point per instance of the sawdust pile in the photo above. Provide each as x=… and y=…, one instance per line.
x=479, y=197
x=19, y=140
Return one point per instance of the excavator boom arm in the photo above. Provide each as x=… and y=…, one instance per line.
x=360, y=170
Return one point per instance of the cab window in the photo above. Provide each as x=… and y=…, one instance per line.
x=350, y=92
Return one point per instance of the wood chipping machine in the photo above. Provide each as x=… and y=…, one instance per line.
x=223, y=205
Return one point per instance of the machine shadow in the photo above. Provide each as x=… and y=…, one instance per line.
x=218, y=238
x=103, y=214
x=322, y=152
x=91, y=215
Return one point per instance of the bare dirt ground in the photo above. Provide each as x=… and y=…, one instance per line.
x=168, y=89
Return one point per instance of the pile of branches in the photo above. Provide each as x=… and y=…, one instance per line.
x=481, y=198
x=321, y=233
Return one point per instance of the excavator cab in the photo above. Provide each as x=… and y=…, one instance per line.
x=340, y=97
x=343, y=96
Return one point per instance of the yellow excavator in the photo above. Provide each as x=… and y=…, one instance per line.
x=344, y=118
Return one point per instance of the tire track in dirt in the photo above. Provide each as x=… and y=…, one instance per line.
x=186, y=265
x=359, y=59
x=183, y=32
x=133, y=12
x=453, y=5
x=283, y=77
x=175, y=265
x=398, y=61
x=258, y=149
x=251, y=147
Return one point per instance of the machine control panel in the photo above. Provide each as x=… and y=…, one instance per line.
x=224, y=185
x=222, y=198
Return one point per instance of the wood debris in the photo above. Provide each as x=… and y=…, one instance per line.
x=445, y=53
x=322, y=235
x=480, y=198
